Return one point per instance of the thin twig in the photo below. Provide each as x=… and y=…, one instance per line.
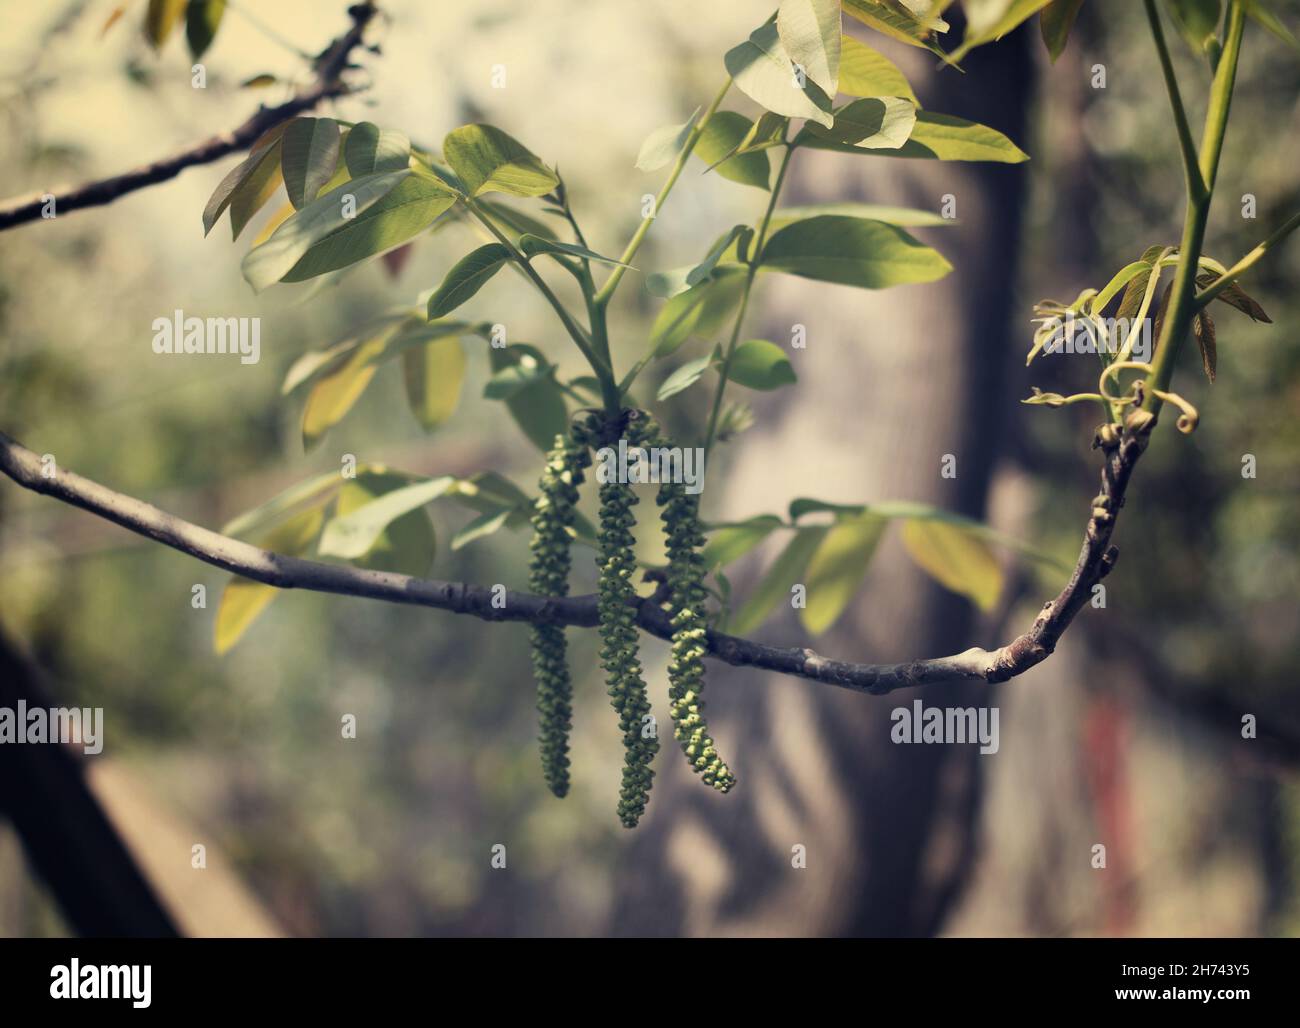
x=327, y=83
x=1096, y=559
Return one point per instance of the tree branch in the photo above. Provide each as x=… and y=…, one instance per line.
x=328, y=82
x=1122, y=450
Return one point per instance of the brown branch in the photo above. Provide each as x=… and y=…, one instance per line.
x=1122, y=450
x=328, y=82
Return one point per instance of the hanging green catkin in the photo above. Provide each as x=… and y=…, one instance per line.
x=618, y=654
x=684, y=535
x=549, y=576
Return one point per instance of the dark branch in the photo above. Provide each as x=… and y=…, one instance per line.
x=1095, y=561
x=328, y=82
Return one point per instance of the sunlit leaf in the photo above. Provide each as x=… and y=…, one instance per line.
x=762, y=70
x=406, y=544
x=729, y=543
x=370, y=149
x=865, y=72
x=700, y=311
x=487, y=159
x=722, y=136
x=956, y=558
x=161, y=16
x=810, y=32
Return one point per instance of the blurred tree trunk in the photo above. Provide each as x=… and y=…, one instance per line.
x=889, y=383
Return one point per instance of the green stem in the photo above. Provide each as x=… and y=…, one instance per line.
x=604, y=373
x=1182, y=297
x=760, y=239
x=1196, y=184
x=607, y=290
x=1246, y=263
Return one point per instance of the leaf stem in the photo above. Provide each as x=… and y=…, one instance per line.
x=755, y=255
x=1196, y=184
x=1246, y=263
x=606, y=292
x=604, y=373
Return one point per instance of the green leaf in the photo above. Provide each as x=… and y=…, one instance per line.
x=728, y=543
x=667, y=284
x=220, y=198
x=160, y=18
x=483, y=525
x=1197, y=20
x=758, y=364
x=956, y=558
x=532, y=245
x=511, y=379
x=406, y=545
x=370, y=149
x=489, y=492
x=945, y=138
x=309, y=153
x=257, y=187
x=898, y=22
x=414, y=204
x=805, y=505
x=434, y=373
x=810, y=32
x=700, y=311
x=877, y=123
x=852, y=251
x=1055, y=24
x=267, y=264
x=487, y=160
x=664, y=144
x=244, y=599
x=904, y=216
x=538, y=409
x=467, y=277
x=354, y=532
x=685, y=377
x=865, y=72
x=722, y=136
x=201, y=20
x=836, y=569
x=785, y=572
x=763, y=71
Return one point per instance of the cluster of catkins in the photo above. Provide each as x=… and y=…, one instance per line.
x=553, y=518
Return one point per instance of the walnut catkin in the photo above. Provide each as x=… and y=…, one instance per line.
x=549, y=576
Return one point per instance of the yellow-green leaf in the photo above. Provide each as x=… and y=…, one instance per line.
x=434, y=374
x=865, y=72
x=160, y=18
x=243, y=599
x=784, y=573
x=837, y=567
x=487, y=159
x=956, y=558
